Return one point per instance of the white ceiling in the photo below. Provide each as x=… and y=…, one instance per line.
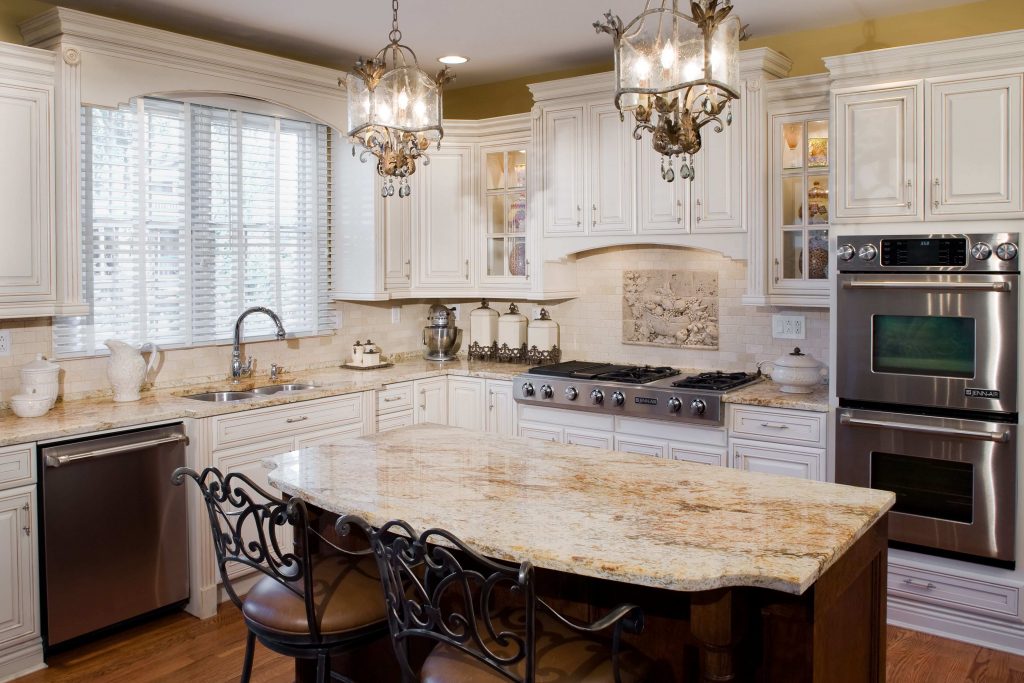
x=503, y=38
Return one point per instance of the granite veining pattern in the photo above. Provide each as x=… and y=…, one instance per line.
x=648, y=521
x=767, y=394
x=101, y=413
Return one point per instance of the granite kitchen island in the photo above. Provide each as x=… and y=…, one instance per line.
x=742, y=576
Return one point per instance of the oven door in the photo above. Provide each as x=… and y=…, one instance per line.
x=955, y=480
x=940, y=340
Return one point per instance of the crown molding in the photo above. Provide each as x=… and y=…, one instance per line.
x=813, y=90
x=28, y=61
x=995, y=50
x=512, y=124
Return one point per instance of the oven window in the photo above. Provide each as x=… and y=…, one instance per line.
x=923, y=345
x=926, y=487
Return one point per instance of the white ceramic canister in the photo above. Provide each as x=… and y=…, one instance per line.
x=357, y=353
x=512, y=328
x=542, y=332
x=371, y=354
x=483, y=325
x=41, y=378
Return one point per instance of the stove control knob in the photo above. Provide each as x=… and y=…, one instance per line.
x=674, y=404
x=618, y=398
x=846, y=252
x=1007, y=251
x=981, y=251
x=597, y=396
x=868, y=252
x=546, y=391
x=571, y=393
x=697, y=407
x=528, y=389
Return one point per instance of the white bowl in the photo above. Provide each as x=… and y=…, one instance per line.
x=30, y=405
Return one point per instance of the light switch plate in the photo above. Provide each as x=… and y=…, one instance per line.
x=789, y=326
x=5, y=342
x=396, y=315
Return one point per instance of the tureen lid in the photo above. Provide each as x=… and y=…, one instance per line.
x=40, y=365
x=797, y=359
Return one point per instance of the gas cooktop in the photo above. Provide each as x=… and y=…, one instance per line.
x=634, y=390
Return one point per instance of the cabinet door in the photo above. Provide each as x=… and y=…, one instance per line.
x=466, y=403
x=442, y=217
x=804, y=463
x=664, y=206
x=431, y=396
x=19, y=598
x=26, y=194
x=611, y=165
x=975, y=162
x=398, y=241
x=539, y=431
x=501, y=408
x=703, y=455
x=641, y=445
x=563, y=171
x=878, y=153
x=718, y=185
x=589, y=437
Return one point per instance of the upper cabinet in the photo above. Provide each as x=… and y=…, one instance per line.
x=504, y=238
x=718, y=185
x=442, y=219
x=612, y=166
x=562, y=152
x=27, y=224
x=930, y=132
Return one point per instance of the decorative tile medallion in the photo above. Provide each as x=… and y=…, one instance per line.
x=676, y=309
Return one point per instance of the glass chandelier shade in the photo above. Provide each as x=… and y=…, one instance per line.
x=395, y=110
x=676, y=73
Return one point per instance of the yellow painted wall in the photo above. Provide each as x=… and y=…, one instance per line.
x=805, y=48
x=14, y=11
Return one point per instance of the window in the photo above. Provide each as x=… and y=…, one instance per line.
x=192, y=213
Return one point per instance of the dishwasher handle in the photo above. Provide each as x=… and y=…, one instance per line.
x=59, y=460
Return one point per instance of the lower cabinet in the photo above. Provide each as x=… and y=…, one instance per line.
x=790, y=461
x=431, y=400
x=501, y=408
x=466, y=406
x=20, y=645
x=778, y=441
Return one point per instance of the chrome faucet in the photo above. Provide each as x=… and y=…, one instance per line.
x=238, y=370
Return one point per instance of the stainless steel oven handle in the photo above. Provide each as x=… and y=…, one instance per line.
x=942, y=286
x=58, y=460
x=998, y=437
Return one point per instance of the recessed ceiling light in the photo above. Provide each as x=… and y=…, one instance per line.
x=453, y=59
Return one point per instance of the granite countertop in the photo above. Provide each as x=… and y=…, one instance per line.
x=767, y=394
x=101, y=413
x=648, y=521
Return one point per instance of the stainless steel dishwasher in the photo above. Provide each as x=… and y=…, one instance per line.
x=115, y=539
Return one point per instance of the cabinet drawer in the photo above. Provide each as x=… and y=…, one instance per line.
x=641, y=446
x=956, y=592
x=697, y=454
x=16, y=466
x=785, y=426
x=394, y=398
x=287, y=420
x=395, y=420
x=540, y=432
x=584, y=437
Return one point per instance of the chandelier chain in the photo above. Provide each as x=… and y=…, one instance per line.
x=395, y=35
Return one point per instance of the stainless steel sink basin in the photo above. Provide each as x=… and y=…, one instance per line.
x=281, y=388
x=223, y=396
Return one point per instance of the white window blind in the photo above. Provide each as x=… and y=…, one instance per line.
x=193, y=213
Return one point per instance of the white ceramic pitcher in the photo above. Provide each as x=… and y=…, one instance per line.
x=127, y=369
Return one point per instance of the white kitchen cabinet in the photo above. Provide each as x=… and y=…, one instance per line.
x=718, y=185
x=595, y=438
x=698, y=453
x=611, y=167
x=501, y=408
x=664, y=206
x=466, y=405
x=790, y=461
x=778, y=441
x=27, y=222
x=641, y=445
x=563, y=154
x=975, y=152
x=878, y=152
x=504, y=244
x=19, y=589
x=431, y=400
x=398, y=241
x=442, y=219
x=540, y=431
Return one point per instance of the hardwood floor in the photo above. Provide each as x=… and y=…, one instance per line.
x=183, y=649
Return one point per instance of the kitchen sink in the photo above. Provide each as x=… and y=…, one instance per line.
x=223, y=396
x=281, y=388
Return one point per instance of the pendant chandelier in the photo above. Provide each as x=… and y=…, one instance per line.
x=394, y=110
x=676, y=73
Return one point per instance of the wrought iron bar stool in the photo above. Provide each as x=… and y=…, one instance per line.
x=485, y=619
x=306, y=605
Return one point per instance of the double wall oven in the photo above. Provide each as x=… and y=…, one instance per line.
x=927, y=383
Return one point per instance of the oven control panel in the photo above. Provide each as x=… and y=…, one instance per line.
x=990, y=252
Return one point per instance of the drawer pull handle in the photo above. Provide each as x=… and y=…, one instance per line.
x=293, y=420
x=392, y=399
x=28, y=520
x=918, y=583
x=774, y=425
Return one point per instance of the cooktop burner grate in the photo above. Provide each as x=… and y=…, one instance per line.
x=637, y=375
x=715, y=381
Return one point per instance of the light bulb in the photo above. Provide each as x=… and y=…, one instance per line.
x=692, y=71
x=668, y=56
x=642, y=67
x=420, y=109
x=717, y=60
x=385, y=113
x=403, y=100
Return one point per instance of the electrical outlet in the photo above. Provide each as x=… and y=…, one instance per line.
x=5, y=342
x=337, y=320
x=789, y=326
x=458, y=311
x=396, y=315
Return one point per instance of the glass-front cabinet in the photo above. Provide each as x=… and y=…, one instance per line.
x=504, y=231
x=799, y=210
